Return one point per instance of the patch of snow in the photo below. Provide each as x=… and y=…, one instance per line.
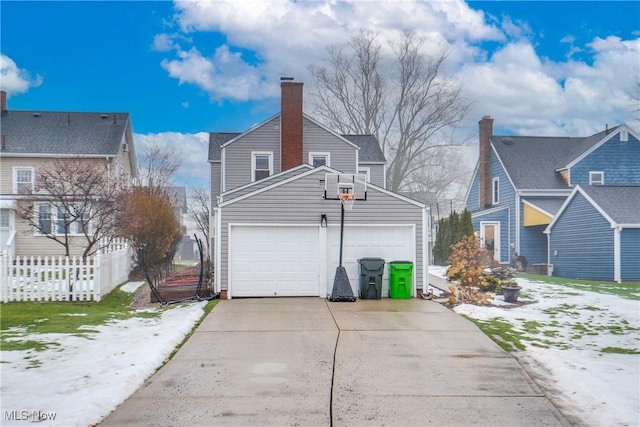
x=85, y=378
x=131, y=287
x=566, y=331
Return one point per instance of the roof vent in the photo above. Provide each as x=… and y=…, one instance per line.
x=36, y=114
x=104, y=116
x=507, y=141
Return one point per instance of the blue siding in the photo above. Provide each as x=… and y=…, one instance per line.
x=583, y=240
x=533, y=244
x=473, y=198
x=618, y=160
x=630, y=254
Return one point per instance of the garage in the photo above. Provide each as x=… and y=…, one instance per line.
x=274, y=261
x=389, y=242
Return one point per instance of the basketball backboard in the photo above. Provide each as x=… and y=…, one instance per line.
x=340, y=183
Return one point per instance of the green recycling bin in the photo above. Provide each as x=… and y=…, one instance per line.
x=400, y=279
x=371, y=270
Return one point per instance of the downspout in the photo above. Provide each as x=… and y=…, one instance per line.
x=426, y=246
x=218, y=243
x=617, y=256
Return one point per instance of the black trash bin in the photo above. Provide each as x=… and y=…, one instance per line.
x=371, y=270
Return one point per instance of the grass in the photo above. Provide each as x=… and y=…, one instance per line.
x=502, y=332
x=18, y=319
x=628, y=290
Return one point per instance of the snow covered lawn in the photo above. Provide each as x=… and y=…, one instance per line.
x=80, y=382
x=581, y=347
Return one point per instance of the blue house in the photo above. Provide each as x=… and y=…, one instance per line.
x=524, y=192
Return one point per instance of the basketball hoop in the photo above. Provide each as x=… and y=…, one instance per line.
x=347, y=200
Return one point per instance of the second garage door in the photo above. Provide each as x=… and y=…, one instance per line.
x=274, y=261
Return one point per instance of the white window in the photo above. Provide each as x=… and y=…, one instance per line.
x=320, y=159
x=261, y=165
x=366, y=172
x=495, y=193
x=596, y=178
x=55, y=220
x=624, y=136
x=23, y=179
x=4, y=218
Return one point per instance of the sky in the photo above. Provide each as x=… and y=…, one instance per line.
x=185, y=68
x=590, y=386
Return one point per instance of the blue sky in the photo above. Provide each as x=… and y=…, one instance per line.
x=185, y=68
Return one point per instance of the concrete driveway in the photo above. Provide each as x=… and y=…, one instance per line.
x=311, y=362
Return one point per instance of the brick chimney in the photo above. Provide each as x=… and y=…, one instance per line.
x=484, y=163
x=3, y=100
x=291, y=123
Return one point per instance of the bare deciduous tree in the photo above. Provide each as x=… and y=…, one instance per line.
x=407, y=105
x=199, y=212
x=158, y=166
x=74, y=200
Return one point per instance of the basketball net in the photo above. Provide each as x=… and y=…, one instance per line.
x=347, y=200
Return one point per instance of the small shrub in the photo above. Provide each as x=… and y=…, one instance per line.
x=467, y=262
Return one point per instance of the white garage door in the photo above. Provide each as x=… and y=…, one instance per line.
x=274, y=261
x=391, y=243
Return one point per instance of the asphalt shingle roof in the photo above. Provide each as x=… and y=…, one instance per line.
x=216, y=140
x=532, y=161
x=56, y=132
x=621, y=203
x=370, y=151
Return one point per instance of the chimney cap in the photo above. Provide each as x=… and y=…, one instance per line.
x=287, y=79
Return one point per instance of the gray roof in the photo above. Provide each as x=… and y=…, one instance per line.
x=548, y=204
x=55, y=132
x=216, y=140
x=370, y=151
x=621, y=203
x=532, y=161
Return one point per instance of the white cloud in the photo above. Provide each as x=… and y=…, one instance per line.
x=15, y=80
x=518, y=85
x=191, y=148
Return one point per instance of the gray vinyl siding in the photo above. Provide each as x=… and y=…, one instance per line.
x=274, y=206
x=216, y=184
x=241, y=191
x=317, y=139
x=581, y=243
x=237, y=155
x=376, y=175
x=630, y=254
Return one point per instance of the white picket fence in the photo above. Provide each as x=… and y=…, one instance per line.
x=64, y=278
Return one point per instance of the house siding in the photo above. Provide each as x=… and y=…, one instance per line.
x=617, y=159
x=581, y=243
x=376, y=174
x=630, y=254
x=215, y=183
x=317, y=139
x=237, y=155
x=473, y=196
x=275, y=207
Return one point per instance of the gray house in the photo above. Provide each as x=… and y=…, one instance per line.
x=274, y=232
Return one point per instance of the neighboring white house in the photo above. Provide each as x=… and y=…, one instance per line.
x=267, y=188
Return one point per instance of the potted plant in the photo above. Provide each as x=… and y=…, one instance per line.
x=511, y=292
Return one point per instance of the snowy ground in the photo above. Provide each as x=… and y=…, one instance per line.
x=80, y=382
x=566, y=331
x=567, y=334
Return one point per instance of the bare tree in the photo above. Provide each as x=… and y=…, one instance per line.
x=199, y=212
x=407, y=106
x=158, y=166
x=74, y=200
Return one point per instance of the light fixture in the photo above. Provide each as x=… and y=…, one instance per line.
x=323, y=221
